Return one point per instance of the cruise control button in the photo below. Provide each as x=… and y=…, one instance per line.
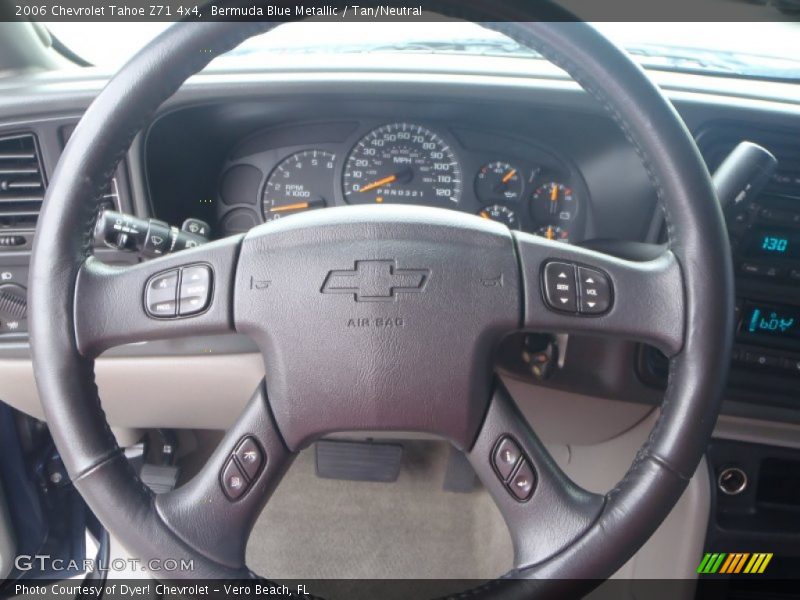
x=521, y=484
x=160, y=295
x=505, y=457
x=162, y=309
x=594, y=290
x=190, y=306
x=234, y=483
x=249, y=455
x=559, y=286
x=195, y=291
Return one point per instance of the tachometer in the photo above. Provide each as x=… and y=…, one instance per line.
x=402, y=163
x=300, y=182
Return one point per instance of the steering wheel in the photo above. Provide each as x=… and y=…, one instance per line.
x=402, y=307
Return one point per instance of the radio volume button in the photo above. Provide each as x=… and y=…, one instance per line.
x=595, y=291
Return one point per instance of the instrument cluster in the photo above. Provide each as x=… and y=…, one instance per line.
x=494, y=176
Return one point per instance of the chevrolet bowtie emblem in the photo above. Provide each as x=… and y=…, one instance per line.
x=375, y=281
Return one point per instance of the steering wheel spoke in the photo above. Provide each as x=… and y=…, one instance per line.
x=576, y=290
x=543, y=508
x=230, y=491
x=189, y=293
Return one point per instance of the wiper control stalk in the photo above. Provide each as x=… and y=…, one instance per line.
x=148, y=237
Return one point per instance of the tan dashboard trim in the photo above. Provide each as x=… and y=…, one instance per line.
x=198, y=392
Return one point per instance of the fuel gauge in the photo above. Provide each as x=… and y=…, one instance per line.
x=501, y=214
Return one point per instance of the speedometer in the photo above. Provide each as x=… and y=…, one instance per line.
x=402, y=163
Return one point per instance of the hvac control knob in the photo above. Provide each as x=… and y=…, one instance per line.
x=13, y=308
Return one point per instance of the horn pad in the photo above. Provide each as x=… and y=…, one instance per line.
x=378, y=318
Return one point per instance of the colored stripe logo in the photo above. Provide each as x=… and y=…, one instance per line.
x=734, y=563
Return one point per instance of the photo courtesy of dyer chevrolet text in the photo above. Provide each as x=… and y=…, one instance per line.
x=143, y=590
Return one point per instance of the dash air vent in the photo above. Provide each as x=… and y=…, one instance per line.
x=21, y=181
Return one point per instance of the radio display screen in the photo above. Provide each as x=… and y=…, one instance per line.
x=765, y=243
x=771, y=321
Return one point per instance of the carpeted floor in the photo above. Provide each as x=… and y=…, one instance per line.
x=322, y=528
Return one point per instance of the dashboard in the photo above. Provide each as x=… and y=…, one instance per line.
x=496, y=139
x=518, y=182
x=531, y=151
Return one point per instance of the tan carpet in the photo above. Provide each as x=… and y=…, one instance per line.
x=321, y=528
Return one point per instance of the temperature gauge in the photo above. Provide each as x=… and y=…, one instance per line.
x=501, y=214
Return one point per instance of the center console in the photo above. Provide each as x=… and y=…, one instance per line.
x=765, y=240
x=765, y=244
x=764, y=233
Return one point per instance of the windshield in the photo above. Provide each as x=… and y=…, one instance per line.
x=768, y=49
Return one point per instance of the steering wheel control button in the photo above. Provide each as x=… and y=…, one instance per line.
x=160, y=294
x=195, y=291
x=249, y=456
x=513, y=468
x=506, y=456
x=559, y=287
x=241, y=468
x=522, y=482
x=594, y=290
x=234, y=482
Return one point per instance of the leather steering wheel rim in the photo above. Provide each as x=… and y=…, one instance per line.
x=615, y=525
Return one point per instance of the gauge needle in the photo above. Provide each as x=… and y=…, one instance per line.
x=484, y=214
x=507, y=177
x=379, y=183
x=553, y=198
x=296, y=206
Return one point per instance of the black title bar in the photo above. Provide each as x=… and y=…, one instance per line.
x=673, y=11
